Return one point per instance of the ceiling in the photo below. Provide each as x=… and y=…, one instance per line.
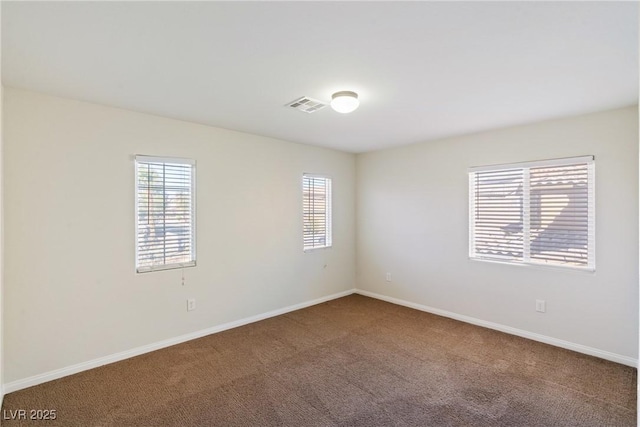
x=423, y=70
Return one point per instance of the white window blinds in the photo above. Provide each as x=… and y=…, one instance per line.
x=165, y=213
x=536, y=213
x=316, y=208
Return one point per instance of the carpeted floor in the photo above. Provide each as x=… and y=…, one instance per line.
x=354, y=361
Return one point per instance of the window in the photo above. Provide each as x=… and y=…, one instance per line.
x=539, y=213
x=165, y=213
x=316, y=208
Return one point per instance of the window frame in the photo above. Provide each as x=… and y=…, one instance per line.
x=527, y=210
x=145, y=159
x=328, y=214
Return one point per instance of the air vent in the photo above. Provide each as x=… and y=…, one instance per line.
x=307, y=105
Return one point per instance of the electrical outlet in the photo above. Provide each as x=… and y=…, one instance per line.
x=191, y=304
x=541, y=306
x=388, y=278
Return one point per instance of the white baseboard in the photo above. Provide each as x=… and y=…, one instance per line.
x=74, y=369
x=618, y=358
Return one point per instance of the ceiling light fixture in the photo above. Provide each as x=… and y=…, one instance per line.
x=345, y=101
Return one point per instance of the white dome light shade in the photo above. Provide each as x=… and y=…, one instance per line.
x=345, y=101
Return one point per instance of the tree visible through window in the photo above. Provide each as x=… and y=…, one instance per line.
x=165, y=213
x=537, y=213
x=316, y=208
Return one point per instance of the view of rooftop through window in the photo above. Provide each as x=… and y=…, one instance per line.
x=538, y=214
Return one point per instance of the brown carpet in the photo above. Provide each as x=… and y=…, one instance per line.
x=354, y=361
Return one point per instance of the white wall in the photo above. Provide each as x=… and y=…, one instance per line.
x=1, y=249
x=412, y=221
x=70, y=288
x=71, y=294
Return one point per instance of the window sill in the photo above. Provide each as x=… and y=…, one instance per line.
x=317, y=248
x=536, y=266
x=166, y=267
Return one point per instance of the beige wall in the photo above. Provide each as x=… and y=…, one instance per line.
x=72, y=294
x=1, y=248
x=412, y=221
